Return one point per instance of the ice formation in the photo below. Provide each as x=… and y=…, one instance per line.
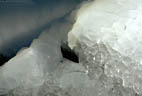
x=107, y=38
x=109, y=33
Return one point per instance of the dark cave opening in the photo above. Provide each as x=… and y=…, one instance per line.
x=68, y=53
x=4, y=59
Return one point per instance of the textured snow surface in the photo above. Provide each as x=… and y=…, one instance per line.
x=107, y=38
x=30, y=65
x=109, y=32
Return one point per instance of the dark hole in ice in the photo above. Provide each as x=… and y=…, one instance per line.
x=69, y=53
x=4, y=59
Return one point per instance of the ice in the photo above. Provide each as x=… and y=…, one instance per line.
x=30, y=68
x=106, y=36
x=109, y=34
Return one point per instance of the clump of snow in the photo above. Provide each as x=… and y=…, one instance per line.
x=109, y=33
